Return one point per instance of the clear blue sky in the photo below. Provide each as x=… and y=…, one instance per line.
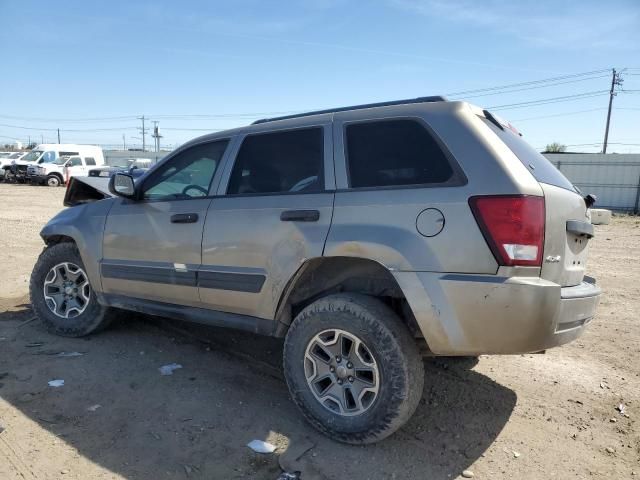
x=67, y=62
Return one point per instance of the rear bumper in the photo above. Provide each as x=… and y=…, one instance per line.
x=462, y=314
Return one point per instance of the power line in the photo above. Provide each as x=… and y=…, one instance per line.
x=559, y=114
x=504, y=92
x=66, y=129
x=533, y=82
x=541, y=83
x=77, y=120
x=545, y=101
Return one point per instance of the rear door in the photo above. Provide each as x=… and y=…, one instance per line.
x=568, y=222
x=398, y=186
x=152, y=247
x=272, y=213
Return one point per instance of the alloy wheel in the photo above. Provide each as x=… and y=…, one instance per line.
x=341, y=372
x=66, y=290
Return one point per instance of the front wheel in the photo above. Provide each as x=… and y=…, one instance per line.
x=353, y=368
x=61, y=295
x=53, y=181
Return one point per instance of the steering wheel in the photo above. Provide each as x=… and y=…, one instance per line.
x=194, y=187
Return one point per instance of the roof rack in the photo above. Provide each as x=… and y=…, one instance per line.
x=435, y=98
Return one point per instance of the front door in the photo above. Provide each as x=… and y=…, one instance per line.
x=152, y=246
x=75, y=167
x=272, y=212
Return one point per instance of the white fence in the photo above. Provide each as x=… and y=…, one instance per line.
x=613, y=177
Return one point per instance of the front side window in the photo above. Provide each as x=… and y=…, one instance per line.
x=279, y=162
x=391, y=153
x=187, y=175
x=75, y=162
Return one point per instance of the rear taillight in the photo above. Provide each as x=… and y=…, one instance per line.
x=513, y=226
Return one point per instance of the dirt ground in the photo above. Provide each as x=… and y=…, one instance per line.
x=526, y=417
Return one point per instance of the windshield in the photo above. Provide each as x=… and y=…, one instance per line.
x=15, y=155
x=32, y=156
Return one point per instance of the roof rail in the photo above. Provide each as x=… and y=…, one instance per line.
x=435, y=98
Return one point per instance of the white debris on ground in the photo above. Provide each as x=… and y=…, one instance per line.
x=260, y=446
x=169, y=369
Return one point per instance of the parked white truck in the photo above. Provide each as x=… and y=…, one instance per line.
x=54, y=163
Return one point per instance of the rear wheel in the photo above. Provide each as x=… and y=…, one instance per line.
x=61, y=295
x=353, y=368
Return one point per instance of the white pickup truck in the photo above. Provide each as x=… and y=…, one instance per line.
x=54, y=164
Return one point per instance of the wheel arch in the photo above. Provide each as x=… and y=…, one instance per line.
x=322, y=276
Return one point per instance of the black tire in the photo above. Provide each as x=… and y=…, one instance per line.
x=93, y=319
x=401, y=370
x=53, y=181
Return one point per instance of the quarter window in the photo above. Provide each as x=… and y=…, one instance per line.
x=90, y=160
x=279, y=162
x=394, y=153
x=188, y=174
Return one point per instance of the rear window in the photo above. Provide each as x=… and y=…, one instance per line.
x=390, y=153
x=541, y=168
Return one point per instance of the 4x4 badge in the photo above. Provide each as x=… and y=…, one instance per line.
x=553, y=258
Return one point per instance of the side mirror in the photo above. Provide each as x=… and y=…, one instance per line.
x=121, y=184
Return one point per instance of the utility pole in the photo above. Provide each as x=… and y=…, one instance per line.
x=143, y=130
x=156, y=135
x=58, y=136
x=41, y=138
x=615, y=80
x=124, y=143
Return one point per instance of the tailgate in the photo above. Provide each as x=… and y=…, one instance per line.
x=567, y=233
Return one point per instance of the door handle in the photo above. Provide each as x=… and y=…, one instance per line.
x=300, y=216
x=184, y=218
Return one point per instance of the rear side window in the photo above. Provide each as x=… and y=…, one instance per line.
x=90, y=160
x=279, y=162
x=395, y=153
x=541, y=168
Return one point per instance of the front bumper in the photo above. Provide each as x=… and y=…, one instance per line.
x=35, y=178
x=462, y=314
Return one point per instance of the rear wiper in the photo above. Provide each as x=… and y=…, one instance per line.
x=489, y=116
x=590, y=200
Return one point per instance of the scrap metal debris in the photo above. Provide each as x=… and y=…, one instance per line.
x=69, y=354
x=168, y=369
x=260, y=446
